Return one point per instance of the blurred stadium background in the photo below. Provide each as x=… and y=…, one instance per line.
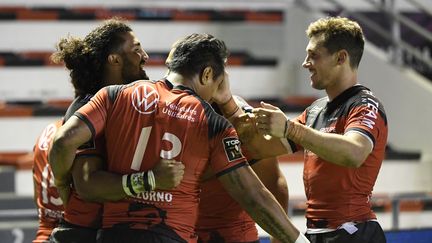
x=267, y=41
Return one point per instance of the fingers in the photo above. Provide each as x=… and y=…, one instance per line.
x=268, y=106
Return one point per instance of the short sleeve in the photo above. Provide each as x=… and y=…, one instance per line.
x=94, y=113
x=225, y=152
x=366, y=118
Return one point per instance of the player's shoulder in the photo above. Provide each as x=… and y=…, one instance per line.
x=366, y=97
x=317, y=105
x=216, y=123
x=76, y=104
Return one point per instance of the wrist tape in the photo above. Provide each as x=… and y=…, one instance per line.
x=229, y=108
x=138, y=182
x=294, y=131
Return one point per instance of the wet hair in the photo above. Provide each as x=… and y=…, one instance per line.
x=340, y=33
x=195, y=52
x=86, y=58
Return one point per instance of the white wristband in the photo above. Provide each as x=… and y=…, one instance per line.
x=126, y=187
x=302, y=239
x=152, y=180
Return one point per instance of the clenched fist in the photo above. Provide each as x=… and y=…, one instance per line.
x=245, y=127
x=168, y=174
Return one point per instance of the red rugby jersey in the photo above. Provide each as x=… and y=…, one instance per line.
x=48, y=202
x=145, y=121
x=221, y=218
x=337, y=194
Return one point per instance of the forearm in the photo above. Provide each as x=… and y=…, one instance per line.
x=230, y=109
x=334, y=148
x=93, y=183
x=61, y=160
x=271, y=176
x=260, y=204
x=269, y=215
x=65, y=144
x=280, y=191
x=102, y=186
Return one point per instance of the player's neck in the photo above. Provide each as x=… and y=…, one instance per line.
x=178, y=79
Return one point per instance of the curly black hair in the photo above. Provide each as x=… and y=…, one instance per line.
x=85, y=58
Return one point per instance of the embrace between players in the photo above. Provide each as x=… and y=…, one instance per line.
x=152, y=161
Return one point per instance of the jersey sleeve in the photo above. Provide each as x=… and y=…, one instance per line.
x=367, y=119
x=94, y=113
x=96, y=147
x=226, y=154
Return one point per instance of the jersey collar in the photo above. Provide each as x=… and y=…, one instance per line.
x=344, y=96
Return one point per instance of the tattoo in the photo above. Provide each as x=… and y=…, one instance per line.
x=268, y=222
x=263, y=209
x=235, y=180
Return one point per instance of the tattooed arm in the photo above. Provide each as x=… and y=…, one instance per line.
x=245, y=187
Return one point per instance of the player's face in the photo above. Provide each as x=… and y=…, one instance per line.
x=217, y=84
x=134, y=58
x=321, y=64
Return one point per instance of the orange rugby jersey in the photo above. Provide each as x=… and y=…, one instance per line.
x=337, y=194
x=49, y=204
x=145, y=121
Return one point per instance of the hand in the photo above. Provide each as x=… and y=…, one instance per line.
x=245, y=126
x=270, y=120
x=256, y=145
x=223, y=93
x=168, y=174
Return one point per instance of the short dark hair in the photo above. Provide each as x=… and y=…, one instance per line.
x=85, y=58
x=197, y=51
x=340, y=33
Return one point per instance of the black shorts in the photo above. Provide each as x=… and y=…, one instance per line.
x=368, y=232
x=69, y=233
x=122, y=234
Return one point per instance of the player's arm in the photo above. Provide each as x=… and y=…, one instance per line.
x=93, y=183
x=62, y=153
x=245, y=187
x=350, y=149
x=271, y=176
x=257, y=145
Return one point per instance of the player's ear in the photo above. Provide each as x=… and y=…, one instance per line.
x=342, y=56
x=114, y=59
x=206, y=75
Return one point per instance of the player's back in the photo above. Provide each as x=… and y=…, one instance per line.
x=146, y=121
x=49, y=204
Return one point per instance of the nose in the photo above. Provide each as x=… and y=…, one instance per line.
x=306, y=63
x=145, y=56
